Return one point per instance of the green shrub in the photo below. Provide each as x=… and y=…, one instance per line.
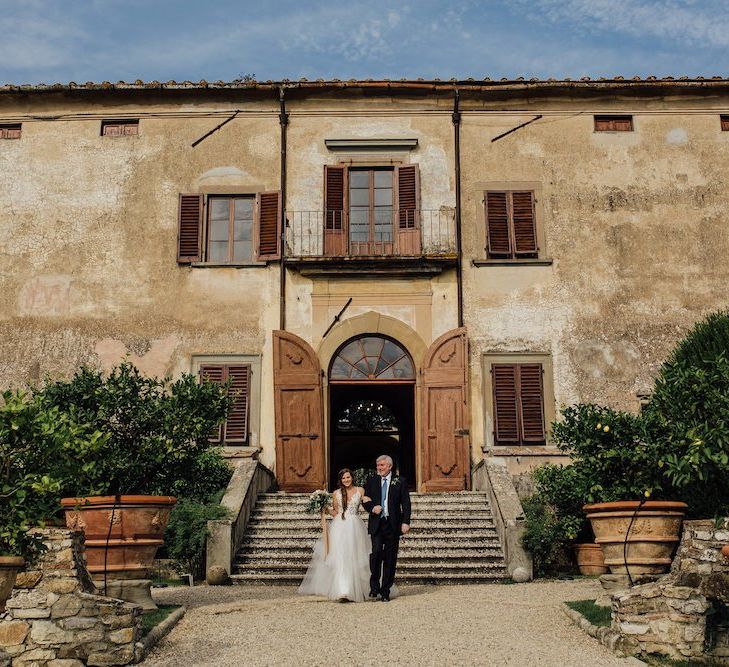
x=42, y=449
x=609, y=453
x=157, y=429
x=707, y=340
x=687, y=419
x=209, y=474
x=187, y=532
x=554, y=518
x=544, y=537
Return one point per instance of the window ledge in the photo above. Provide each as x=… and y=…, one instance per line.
x=524, y=450
x=212, y=265
x=512, y=262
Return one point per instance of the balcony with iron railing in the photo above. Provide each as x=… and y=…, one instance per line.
x=409, y=240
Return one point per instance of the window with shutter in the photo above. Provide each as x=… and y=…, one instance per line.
x=334, y=188
x=724, y=120
x=614, y=123
x=510, y=224
x=120, y=128
x=238, y=377
x=268, y=226
x=518, y=400
x=10, y=131
x=189, y=228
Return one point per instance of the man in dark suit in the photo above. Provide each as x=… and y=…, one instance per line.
x=389, y=507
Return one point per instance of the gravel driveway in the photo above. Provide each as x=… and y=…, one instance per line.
x=517, y=624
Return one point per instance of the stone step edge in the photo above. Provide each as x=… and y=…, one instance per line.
x=426, y=578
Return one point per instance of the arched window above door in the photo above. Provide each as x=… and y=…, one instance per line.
x=372, y=358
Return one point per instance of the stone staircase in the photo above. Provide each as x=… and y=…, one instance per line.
x=452, y=540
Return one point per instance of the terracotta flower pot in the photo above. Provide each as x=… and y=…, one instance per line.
x=654, y=534
x=590, y=559
x=9, y=568
x=121, y=538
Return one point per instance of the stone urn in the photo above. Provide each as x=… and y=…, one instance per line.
x=655, y=530
x=9, y=568
x=590, y=559
x=122, y=535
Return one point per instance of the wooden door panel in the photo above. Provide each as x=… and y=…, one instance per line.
x=298, y=411
x=446, y=460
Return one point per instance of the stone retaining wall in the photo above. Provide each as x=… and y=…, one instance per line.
x=54, y=617
x=684, y=614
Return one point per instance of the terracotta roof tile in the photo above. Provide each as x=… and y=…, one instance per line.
x=303, y=84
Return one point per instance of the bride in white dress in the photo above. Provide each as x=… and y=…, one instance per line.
x=343, y=573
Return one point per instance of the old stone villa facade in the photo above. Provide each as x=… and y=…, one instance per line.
x=422, y=267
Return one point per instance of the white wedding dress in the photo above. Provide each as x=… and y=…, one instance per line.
x=344, y=573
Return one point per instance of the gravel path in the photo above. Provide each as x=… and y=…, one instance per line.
x=518, y=624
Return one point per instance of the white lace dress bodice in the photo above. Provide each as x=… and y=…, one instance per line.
x=343, y=573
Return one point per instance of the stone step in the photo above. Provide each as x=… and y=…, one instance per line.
x=431, y=525
x=442, y=550
x=415, y=501
x=313, y=532
x=269, y=542
x=417, y=515
x=413, y=494
x=411, y=566
x=432, y=577
x=404, y=557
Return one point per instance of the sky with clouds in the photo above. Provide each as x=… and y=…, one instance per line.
x=47, y=41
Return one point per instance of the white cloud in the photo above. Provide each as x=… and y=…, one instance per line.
x=702, y=23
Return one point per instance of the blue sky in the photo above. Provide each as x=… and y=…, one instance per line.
x=48, y=41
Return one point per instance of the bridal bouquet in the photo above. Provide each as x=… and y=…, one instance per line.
x=318, y=500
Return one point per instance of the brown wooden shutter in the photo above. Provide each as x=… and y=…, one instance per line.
x=335, y=211
x=525, y=232
x=497, y=223
x=214, y=373
x=724, y=120
x=189, y=229
x=268, y=226
x=408, y=209
x=10, y=131
x=613, y=123
x=531, y=399
x=506, y=409
x=236, y=426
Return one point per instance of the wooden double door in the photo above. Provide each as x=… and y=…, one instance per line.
x=444, y=462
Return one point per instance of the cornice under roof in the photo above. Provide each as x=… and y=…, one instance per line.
x=465, y=85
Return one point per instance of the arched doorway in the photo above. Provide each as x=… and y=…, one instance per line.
x=372, y=406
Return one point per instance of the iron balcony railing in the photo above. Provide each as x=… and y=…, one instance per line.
x=378, y=233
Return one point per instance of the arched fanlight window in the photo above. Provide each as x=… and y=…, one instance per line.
x=372, y=358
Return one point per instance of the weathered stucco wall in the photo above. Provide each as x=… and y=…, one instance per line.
x=633, y=223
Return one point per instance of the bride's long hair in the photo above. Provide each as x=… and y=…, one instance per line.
x=342, y=488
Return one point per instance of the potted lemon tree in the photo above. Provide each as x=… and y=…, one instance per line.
x=156, y=447
x=40, y=447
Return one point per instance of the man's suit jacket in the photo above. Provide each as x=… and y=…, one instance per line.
x=398, y=503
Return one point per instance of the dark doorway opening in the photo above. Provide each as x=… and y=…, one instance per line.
x=367, y=420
